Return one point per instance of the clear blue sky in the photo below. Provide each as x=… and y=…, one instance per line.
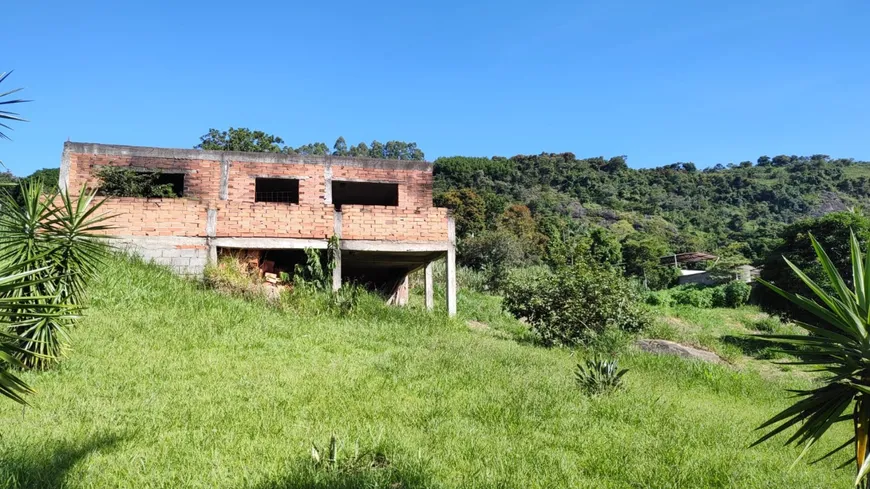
x=661, y=82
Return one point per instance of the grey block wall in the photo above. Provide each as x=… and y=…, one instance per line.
x=187, y=256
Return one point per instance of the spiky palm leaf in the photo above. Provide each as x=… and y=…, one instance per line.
x=65, y=233
x=841, y=350
x=5, y=114
x=17, y=309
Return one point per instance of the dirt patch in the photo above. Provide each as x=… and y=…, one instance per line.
x=665, y=347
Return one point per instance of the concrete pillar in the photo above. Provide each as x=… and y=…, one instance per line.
x=430, y=286
x=336, y=272
x=451, y=267
x=63, y=179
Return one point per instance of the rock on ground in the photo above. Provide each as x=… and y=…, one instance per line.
x=665, y=347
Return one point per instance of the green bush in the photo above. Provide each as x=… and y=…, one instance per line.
x=573, y=304
x=693, y=295
x=736, y=293
x=493, y=253
x=124, y=182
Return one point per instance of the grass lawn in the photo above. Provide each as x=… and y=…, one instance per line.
x=171, y=385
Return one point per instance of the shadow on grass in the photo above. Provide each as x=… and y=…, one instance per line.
x=757, y=347
x=46, y=466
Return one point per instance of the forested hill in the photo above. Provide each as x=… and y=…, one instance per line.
x=737, y=209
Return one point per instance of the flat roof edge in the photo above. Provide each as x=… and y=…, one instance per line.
x=279, y=158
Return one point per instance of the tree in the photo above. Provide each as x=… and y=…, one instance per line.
x=469, y=210
x=6, y=115
x=361, y=150
x=241, y=139
x=340, y=147
x=641, y=258
x=317, y=149
x=795, y=245
x=602, y=247
x=839, y=348
x=377, y=150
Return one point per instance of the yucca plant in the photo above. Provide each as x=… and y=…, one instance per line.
x=61, y=236
x=839, y=348
x=5, y=114
x=596, y=375
x=18, y=309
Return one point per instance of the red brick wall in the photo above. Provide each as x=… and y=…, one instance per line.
x=274, y=220
x=393, y=223
x=415, y=187
x=155, y=217
x=202, y=178
x=242, y=176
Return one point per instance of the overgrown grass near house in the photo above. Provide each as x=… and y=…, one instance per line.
x=173, y=385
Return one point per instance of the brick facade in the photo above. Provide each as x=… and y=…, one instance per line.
x=235, y=212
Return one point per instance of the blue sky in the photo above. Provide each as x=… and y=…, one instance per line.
x=708, y=82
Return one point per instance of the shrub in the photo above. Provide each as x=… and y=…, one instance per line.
x=693, y=295
x=736, y=293
x=493, y=253
x=596, y=376
x=571, y=304
x=124, y=182
x=717, y=297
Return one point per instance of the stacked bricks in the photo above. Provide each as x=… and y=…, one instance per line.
x=385, y=223
x=201, y=178
x=274, y=220
x=134, y=216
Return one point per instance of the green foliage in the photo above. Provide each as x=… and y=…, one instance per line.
x=118, y=181
x=469, y=210
x=62, y=238
x=19, y=309
x=492, y=252
x=241, y=139
x=6, y=115
x=573, y=303
x=244, y=139
x=314, y=272
x=832, y=231
x=840, y=349
x=733, y=294
x=736, y=293
x=598, y=376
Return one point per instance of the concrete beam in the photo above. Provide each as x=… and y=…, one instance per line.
x=271, y=243
x=277, y=158
x=428, y=275
x=394, y=246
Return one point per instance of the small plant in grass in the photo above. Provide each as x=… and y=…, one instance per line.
x=329, y=458
x=597, y=376
x=840, y=347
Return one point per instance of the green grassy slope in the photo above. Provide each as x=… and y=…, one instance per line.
x=170, y=385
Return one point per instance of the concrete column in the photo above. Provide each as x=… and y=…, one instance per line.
x=224, y=191
x=430, y=286
x=63, y=180
x=336, y=272
x=211, y=232
x=451, y=267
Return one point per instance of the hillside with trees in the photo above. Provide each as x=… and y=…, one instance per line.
x=558, y=207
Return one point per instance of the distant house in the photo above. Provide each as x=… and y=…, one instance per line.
x=743, y=273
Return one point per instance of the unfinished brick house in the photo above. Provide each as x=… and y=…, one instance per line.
x=278, y=205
